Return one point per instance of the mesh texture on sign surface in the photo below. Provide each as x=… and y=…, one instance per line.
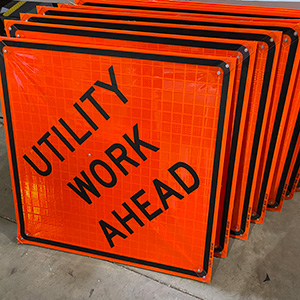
x=161, y=110
x=246, y=51
x=266, y=66
x=266, y=161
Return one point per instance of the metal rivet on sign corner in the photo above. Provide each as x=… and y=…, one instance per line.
x=246, y=50
x=21, y=239
x=257, y=219
x=89, y=154
x=4, y=50
x=199, y=270
x=227, y=66
x=9, y=28
x=285, y=40
x=18, y=35
x=219, y=72
x=295, y=33
x=204, y=277
x=26, y=234
x=271, y=40
x=276, y=206
x=241, y=234
x=238, y=57
x=26, y=20
x=262, y=46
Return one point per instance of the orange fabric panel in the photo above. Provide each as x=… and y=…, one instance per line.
x=98, y=163
x=108, y=42
x=257, y=88
x=267, y=182
x=276, y=95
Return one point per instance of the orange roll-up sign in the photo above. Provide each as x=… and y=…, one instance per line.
x=117, y=154
x=245, y=51
x=267, y=58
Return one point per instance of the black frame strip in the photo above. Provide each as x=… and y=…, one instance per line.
x=133, y=55
x=281, y=188
x=294, y=175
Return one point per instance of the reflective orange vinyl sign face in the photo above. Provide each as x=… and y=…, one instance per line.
x=272, y=139
x=246, y=51
x=117, y=154
x=267, y=57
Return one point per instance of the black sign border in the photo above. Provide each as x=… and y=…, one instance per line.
x=134, y=55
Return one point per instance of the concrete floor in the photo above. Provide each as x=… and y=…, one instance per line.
x=34, y=273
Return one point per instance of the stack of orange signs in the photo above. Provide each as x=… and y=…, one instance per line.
x=142, y=133
x=271, y=117
x=269, y=165
x=248, y=175
x=240, y=107
x=268, y=53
